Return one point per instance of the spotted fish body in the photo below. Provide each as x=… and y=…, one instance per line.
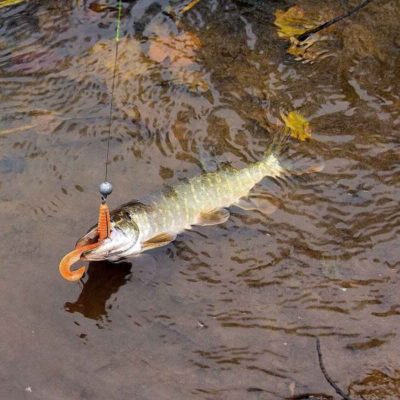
x=157, y=219
x=186, y=204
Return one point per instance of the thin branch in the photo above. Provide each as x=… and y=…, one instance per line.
x=327, y=377
x=189, y=6
x=327, y=24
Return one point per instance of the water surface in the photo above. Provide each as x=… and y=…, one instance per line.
x=224, y=312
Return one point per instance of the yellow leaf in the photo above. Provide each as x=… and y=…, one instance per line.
x=292, y=22
x=6, y=3
x=297, y=125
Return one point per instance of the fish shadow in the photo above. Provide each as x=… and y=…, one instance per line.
x=103, y=280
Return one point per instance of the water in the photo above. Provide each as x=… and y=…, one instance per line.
x=224, y=312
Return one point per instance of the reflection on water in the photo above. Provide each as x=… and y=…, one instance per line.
x=224, y=312
x=102, y=280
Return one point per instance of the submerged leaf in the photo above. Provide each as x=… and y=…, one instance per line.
x=130, y=61
x=194, y=81
x=97, y=7
x=131, y=65
x=297, y=125
x=178, y=53
x=7, y=3
x=180, y=49
x=303, y=51
x=294, y=22
x=376, y=384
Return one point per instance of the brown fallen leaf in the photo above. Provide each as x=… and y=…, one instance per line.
x=130, y=63
x=180, y=49
x=98, y=7
x=194, y=81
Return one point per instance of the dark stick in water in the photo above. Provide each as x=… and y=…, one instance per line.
x=327, y=377
x=310, y=32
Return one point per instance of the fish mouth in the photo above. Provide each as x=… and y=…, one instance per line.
x=91, y=238
x=84, y=250
x=116, y=247
x=95, y=254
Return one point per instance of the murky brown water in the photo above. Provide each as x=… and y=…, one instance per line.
x=225, y=312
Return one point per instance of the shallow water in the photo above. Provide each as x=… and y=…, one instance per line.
x=224, y=312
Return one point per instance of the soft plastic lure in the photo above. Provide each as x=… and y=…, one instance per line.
x=103, y=229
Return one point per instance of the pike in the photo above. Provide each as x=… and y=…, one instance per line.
x=157, y=219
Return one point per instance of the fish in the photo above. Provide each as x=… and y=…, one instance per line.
x=157, y=219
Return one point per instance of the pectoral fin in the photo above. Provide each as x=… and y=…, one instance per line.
x=259, y=203
x=159, y=240
x=213, y=217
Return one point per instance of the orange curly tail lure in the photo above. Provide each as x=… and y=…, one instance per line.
x=104, y=230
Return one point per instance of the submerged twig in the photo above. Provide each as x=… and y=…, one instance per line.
x=329, y=23
x=189, y=6
x=327, y=377
x=7, y=3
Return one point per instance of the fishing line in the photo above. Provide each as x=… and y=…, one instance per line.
x=105, y=189
x=117, y=37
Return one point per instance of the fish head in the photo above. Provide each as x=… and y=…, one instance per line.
x=122, y=242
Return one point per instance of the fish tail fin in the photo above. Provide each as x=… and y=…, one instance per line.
x=281, y=165
x=284, y=164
